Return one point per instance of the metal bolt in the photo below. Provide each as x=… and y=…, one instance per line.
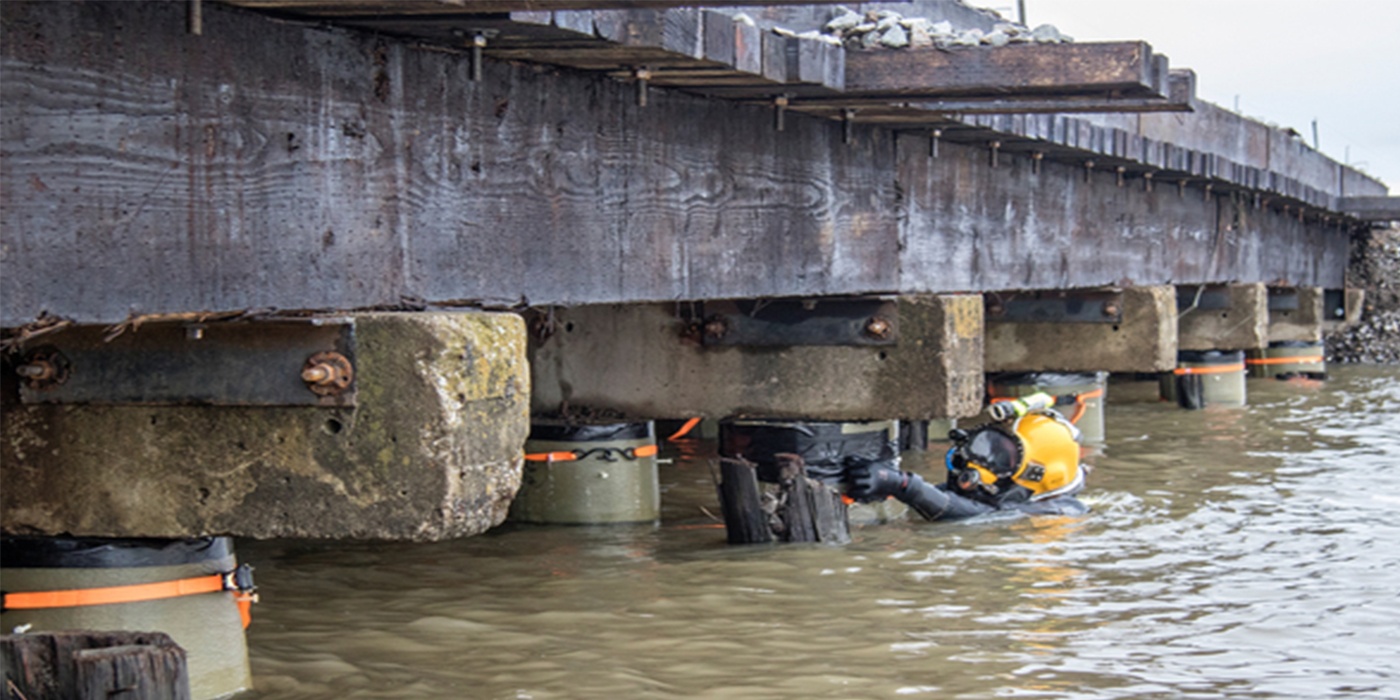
x=716, y=328
x=478, y=44
x=643, y=76
x=327, y=373
x=996, y=151
x=43, y=369
x=1088, y=168
x=37, y=370
x=1110, y=309
x=849, y=119
x=1120, y=170
x=878, y=328
x=933, y=143
x=1147, y=182
x=1035, y=162
x=781, y=104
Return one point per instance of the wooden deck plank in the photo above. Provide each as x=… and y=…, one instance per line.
x=1058, y=69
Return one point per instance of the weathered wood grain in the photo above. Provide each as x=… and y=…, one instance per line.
x=1008, y=228
x=1055, y=69
x=740, y=501
x=94, y=665
x=337, y=170
x=351, y=8
x=1371, y=208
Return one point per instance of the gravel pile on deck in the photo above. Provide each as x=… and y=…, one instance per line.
x=1375, y=267
x=888, y=29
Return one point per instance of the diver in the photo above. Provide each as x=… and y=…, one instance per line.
x=1026, y=460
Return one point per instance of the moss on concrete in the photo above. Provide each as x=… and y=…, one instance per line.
x=431, y=450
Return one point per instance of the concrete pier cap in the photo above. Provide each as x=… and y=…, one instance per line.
x=1223, y=317
x=425, y=444
x=672, y=360
x=1133, y=329
x=1296, y=314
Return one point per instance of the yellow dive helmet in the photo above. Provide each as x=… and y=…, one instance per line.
x=1039, y=451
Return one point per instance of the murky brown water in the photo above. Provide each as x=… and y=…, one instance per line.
x=1231, y=553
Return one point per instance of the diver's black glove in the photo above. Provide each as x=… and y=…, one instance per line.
x=869, y=481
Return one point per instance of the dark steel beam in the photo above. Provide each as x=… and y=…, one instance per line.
x=1371, y=208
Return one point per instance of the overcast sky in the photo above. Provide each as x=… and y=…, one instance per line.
x=1287, y=62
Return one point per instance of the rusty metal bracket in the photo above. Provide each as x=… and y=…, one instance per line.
x=796, y=322
x=1055, y=307
x=1334, y=304
x=236, y=363
x=1209, y=297
x=1283, y=299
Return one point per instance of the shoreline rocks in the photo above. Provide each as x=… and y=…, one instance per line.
x=891, y=30
x=1375, y=267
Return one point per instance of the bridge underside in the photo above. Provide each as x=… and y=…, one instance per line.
x=211, y=187
x=271, y=165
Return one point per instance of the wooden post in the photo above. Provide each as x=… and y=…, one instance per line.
x=797, y=509
x=744, y=518
x=94, y=665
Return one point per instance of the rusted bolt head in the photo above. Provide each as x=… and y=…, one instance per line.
x=1110, y=309
x=43, y=368
x=878, y=328
x=994, y=308
x=37, y=371
x=327, y=373
x=716, y=328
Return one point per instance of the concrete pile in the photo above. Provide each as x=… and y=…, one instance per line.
x=1375, y=267
x=888, y=29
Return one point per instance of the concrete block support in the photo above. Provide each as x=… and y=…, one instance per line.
x=634, y=359
x=431, y=448
x=1353, y=303
x=1296, y=314
x=1232, y=317
x=1143, y=341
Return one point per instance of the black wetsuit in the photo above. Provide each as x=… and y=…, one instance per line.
x=943, y=502
x=874, y=481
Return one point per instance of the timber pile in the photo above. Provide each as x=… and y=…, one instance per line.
x=796, y=509
x=93, y=666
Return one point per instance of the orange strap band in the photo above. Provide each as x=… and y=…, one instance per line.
x=140, y=592
x=550, y=457
x=1220, y=369
x=685, y=429
x=563, y=456
x=114, y=594
x=1304, y=360
x=1081, y=404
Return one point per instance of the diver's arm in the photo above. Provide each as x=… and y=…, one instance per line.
x=938, y=504
x=872, y=482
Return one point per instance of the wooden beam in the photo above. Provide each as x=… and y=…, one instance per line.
x=1120, y=69
x=1180, y=97
x=1371, y=208
x=353, y=8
